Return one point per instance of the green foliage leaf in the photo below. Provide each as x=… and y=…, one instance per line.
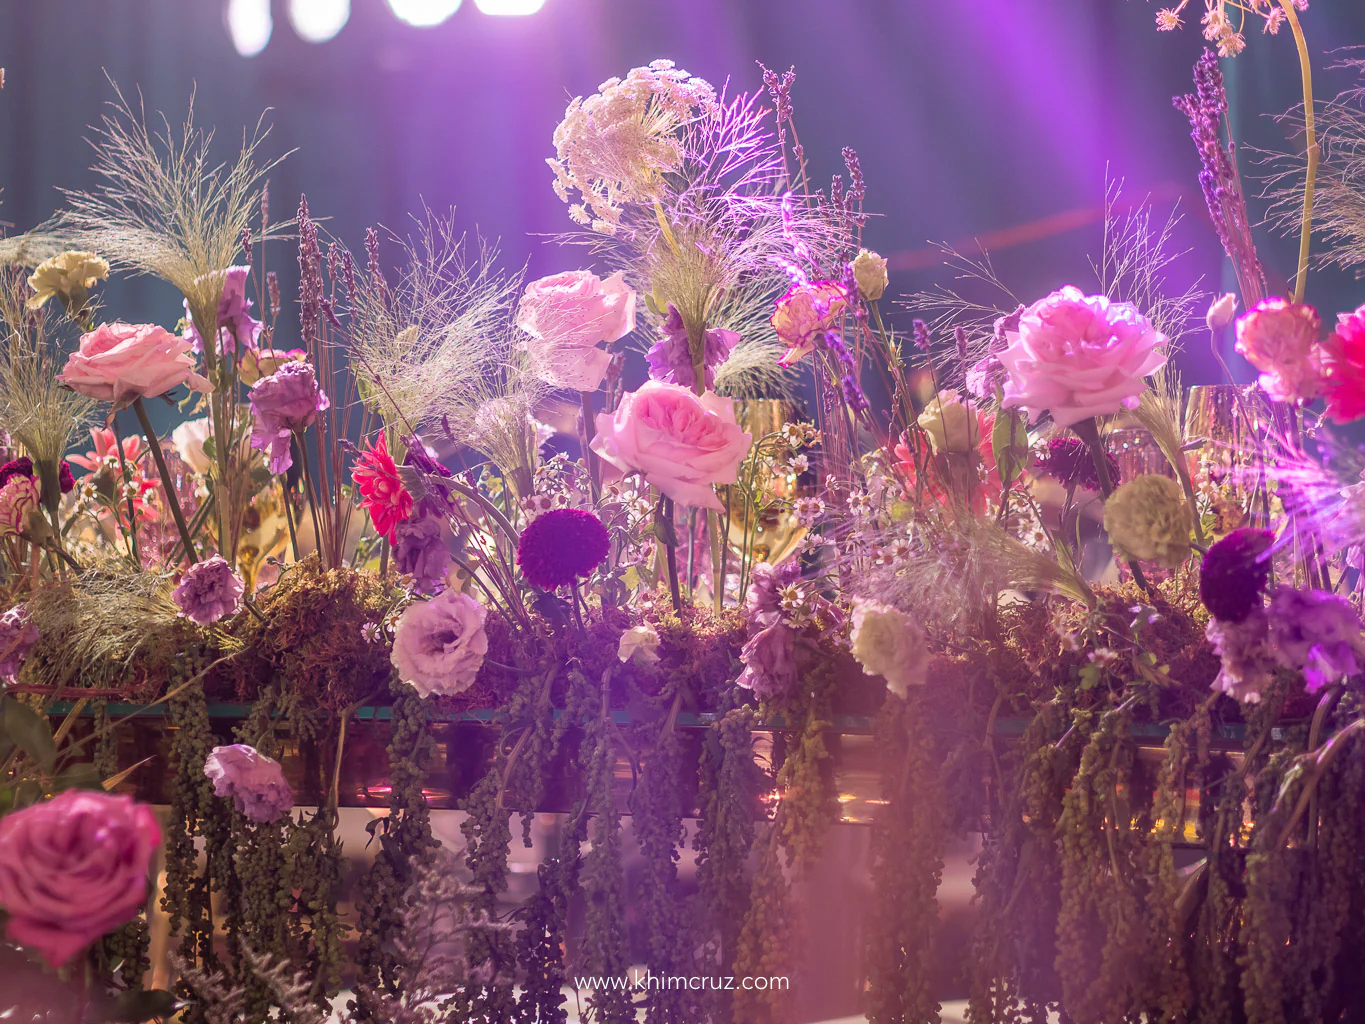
x=1009, y=443
x=30, y=732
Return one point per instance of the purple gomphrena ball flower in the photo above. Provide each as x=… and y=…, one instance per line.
x=1234, y=574
x=670, y=358
x=1070, y=462
x=65, y=480
x=18, y=634
x=285, y=401
x=558, y=547
x=208, y=591
x=253, y=782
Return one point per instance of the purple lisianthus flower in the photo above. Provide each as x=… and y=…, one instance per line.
x=18, y=634
x=764, y=599
x=208, y=591
x=287, y=400
x=1316, y=632
x=420, y=550
x=236, y=326
x=769, y=659
x=253, y=782
x=670, y=358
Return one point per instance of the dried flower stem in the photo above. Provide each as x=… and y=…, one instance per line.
x=167, y=484
x=127, y=479
x=1089, y=432
x=1311, y=140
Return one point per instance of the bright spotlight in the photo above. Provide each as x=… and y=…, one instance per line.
x=423, y=13
x=509, y=6
x=249, y=23
x=317, y=21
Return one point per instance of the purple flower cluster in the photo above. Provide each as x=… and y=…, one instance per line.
x=253, y=782
x=421, y=551
x=18, y=634
x=670, y=358
x=208, y=591
x=559, y=546
x=1070, y=462
x=283, y=402
x=769, y=658
x=1234, y=574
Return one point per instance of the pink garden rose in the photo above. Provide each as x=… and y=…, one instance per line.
x=438, y=645
x=120, y=362
x=1078, y=356
x=683, y=443
x=805, y=311
x=1280, y=339
x=73, y=868
x=567, y=315
x=253, y=782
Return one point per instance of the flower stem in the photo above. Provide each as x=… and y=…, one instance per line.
x=1311, y=141
x=167, y=484
x=669, y=538
x=1089, y=432
x=589, y=456
x=126, y=480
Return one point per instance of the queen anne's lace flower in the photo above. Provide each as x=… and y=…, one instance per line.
x=612, y=147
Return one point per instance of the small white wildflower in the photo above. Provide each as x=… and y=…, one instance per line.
x=808, y=510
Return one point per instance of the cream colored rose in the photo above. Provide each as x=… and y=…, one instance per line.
x=869, y=270
x=951, y=423
x=888, y=643
x=189, y=439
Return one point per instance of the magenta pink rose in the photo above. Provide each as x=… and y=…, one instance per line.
x=683, y=443
x=567, y=315
x=805, y=311
x=120, y=362
x=74, y=868
x=1078, y=356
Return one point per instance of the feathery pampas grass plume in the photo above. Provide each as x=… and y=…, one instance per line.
x=35, y=409
x=166, y=209
x=421, y=344
x=51, y=238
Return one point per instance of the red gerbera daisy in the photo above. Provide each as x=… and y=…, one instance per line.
x=384, y=496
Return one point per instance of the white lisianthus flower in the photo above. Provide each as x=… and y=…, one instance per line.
x=640, y=643
x=189, y=439
x=890, y=644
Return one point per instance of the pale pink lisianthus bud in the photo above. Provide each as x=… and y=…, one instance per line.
x=1078, y=356
x=682, y=442
x=567, y=315
x=439, y=645
x=253, y=782
x=73, y=868
x=1280, y=339
x=119, y=362
x=804, y=312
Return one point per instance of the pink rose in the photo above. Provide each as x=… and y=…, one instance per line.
x=682, y=442
x=253, y=782
x=120, y=362
x=1280, y=339
x=438, y=645
x=567, y=315
x=1078, y=356
x=805, y=311
x=73, y=868
x=18, y=498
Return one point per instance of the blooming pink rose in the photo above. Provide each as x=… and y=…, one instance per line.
x=682, y=442
x=120, y=362
x=253, y=782
x=805, y=311
x=1280, y=339
x=18, y=498
x=567, y=315
x=1078, y=356
x=438, y=645
x=74, y=868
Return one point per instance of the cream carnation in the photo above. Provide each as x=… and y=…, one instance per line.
x=639, y=643
x=1147, y=520
x=888, y=643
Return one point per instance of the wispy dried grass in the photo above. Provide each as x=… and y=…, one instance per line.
x=35, y=409
x=1339, y=192
x=421, y=346
x=48, y=239
x=165, y=208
